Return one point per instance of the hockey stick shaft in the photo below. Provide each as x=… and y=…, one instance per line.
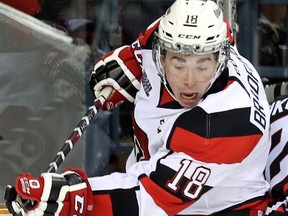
x=229, y=8
x=78, y=131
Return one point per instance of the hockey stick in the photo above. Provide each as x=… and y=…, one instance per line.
x=229, y=8
x=78, y=131
x=10, y=192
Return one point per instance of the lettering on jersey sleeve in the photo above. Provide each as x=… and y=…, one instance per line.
x=136, y=47
x=279, y=109
x=252, y=86
x=146, y=84
x=258, y=110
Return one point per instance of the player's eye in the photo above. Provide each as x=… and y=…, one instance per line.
x=179, y=67
x=201, y=69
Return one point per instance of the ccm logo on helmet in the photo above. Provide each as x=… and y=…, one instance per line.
x=189, y=36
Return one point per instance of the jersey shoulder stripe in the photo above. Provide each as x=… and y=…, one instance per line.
x=233, y=122
x=147, y=38
x=222, y=150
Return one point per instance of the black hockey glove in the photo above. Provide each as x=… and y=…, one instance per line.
x=120, y=70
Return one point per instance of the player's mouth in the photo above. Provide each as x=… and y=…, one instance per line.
x=188, y=96
x=188, y=100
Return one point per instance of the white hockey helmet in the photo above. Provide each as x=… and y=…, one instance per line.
x=192, y=27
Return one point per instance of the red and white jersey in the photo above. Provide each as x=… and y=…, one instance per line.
x=276, y=171
x=199, y=161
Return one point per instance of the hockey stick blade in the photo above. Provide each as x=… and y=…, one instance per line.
x=10, y=196
x=10, y=193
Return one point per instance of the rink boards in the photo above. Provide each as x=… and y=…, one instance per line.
x=4, y=210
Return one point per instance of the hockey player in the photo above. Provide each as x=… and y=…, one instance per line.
x=276, y=171
x=201, y=124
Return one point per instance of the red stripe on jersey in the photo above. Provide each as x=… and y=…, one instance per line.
x=260, y=204
x=30, y=7
x=129, y=60
x=229, y=83
x=229, y=32
x=103, y=205
x=285, y=189
x=148, y=33
x=169, y=203
x=165, y=97
x=280, y=209
x=215, y=150
x=142, y=142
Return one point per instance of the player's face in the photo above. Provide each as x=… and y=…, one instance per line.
x=189, y=76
